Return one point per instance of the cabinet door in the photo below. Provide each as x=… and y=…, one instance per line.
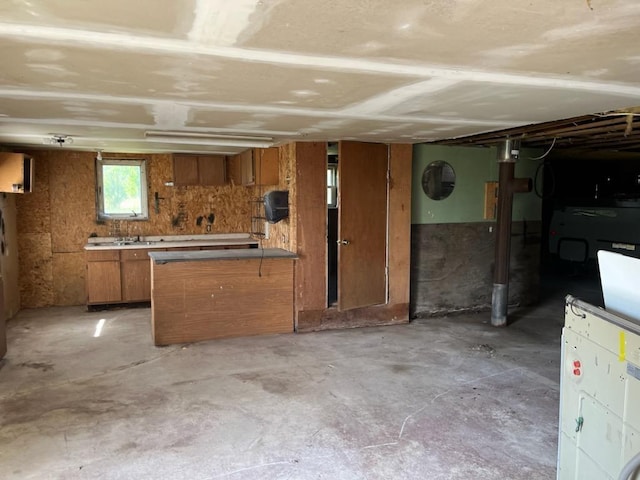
x=247, y=168
x=136, y=281
x=16, y=172
x=103, y=282
x=136, y=275
x=185, y=170
x=211, y=170
x=267, y=164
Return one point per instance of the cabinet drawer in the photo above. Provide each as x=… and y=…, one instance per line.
x=103, y=255
x=136, y=254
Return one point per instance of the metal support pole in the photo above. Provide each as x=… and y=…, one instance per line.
x=507, y=186
x=500, y=297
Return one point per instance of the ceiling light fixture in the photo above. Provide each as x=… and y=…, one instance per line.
x=59, y=139
x=195, y=138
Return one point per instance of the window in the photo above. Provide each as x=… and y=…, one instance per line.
x=122, y=189
x=332, y=186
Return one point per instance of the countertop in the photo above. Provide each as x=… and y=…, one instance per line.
x=171, y=241
x=237, y=254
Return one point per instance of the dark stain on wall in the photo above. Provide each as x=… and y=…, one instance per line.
x=452, y=267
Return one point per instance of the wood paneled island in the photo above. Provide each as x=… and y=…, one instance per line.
x=202, y=295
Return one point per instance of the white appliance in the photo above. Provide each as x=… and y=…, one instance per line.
x=599, y=393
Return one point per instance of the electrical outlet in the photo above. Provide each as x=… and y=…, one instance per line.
x=266, y=230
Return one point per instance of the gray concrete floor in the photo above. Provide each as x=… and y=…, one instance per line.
x=440, y=398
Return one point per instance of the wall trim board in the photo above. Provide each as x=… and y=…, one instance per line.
x=332, y=318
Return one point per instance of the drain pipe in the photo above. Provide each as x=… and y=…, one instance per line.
x=508, y=153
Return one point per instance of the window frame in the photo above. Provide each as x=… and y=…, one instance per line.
x=144, y=197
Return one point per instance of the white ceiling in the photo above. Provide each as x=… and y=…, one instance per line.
x=106, y=72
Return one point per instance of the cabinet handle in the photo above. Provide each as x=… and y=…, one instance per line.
x=344, y=242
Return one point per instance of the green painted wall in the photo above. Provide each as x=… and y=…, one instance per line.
x=473, y=167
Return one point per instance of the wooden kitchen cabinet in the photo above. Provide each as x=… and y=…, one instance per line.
x=16, y=172
x=209, y=170
x=135, y=275
x=266, y=161
x=124, y=275
x=258, y=166
x=103, y=277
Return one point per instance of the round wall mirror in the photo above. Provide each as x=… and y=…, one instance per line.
x=438, y=180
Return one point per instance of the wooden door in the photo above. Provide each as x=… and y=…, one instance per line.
x=362, y=224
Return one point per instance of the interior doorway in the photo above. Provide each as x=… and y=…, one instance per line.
x=332, y=224
x=357, y=215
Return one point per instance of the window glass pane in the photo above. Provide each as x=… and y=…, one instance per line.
x=122, y=189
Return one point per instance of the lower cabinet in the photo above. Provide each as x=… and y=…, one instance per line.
x=103, y=277
x=136, y=276
x=118, y=276
x=124, y=276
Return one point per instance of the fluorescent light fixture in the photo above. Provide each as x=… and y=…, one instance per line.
x=195, y=138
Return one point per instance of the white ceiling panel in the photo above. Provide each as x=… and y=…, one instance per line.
x=369, y=70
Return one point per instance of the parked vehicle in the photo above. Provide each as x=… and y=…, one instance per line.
x=577, y=232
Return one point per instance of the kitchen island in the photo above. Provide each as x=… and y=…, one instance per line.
x=118, y=269
x=202, y=295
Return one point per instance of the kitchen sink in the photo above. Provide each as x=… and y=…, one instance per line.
x=122, y=243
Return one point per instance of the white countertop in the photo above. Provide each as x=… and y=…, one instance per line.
x=171, y=241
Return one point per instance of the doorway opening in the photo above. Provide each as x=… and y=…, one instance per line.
x=332, y=224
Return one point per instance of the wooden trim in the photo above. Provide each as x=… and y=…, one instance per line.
x=400, y=168
x=332, y=318
x=311, y=221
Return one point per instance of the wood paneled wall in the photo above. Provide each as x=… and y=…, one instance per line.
x=55, y=220
x=9, y=257
x=452, y=267
x=283, y=234
x=311, y=267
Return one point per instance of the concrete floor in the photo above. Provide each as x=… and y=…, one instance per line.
x=443, y=398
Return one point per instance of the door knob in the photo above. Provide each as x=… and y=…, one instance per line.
x=344, y=242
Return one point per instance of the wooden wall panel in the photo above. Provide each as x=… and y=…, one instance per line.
x=400, y=163
x=310, y=289
x=283, y=234
x=34, y=209
x=311, y=222
x=62, y=212
x=69, y=271
x=448, y=277
x=9, y=267
x=36, y=273
x=72, y=192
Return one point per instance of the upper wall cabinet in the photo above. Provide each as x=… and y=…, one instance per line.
x=258, y=166
x=16, y=172
x=199, y=170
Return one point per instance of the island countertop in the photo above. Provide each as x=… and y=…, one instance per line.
x=231, y=254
